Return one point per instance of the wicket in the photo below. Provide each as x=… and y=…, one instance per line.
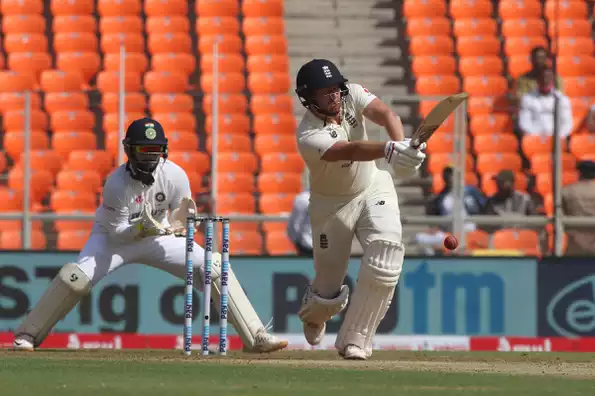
x=208, y=263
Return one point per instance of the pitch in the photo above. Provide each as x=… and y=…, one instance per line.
x=113, y=373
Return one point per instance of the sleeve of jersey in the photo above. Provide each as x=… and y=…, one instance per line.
x=114, y=215
x=314, y=145
x=361, y=96
x=180, y=188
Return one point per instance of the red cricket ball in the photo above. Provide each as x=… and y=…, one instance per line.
x=450, y=242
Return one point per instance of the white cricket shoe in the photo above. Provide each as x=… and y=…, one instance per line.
x=24, y=342
x=353, y=352
x=265, y=342
x=314, y=333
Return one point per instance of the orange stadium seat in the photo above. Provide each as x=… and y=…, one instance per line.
x=29, y=62
x=548, y=204
x=132, y=42
x=207, y=26
x=21, y=7
x=243, y=203
x=263, y=45
x=573, y=46
x=72, y=240
x=234, y=123
x=65, y=101
x=438, y=161
x=275, y=124
x=41, y=160
x=195, y=161
x=565, y=9
x=178, y=121
x=12, y=101
x=437, y=85
x=424, y=8
x=477, y=239
x=235, y=182
x=473, y=26
x=111, y=121
x=73, y=200
x=168, y=24
x=74, y=23
x=12, y=240
x=431, y=46
x=473, y=66
x=228, y=103
x=518, y=239
x=542, y=163
x=228, y=83
x=59, y=81
x=231, y=142
x=16, y=82
x=491, y=123
x=442, y=65
x=569, y=28
x=279, y=244
x=443, y=142
x=3, y=162
x=114, y=8
x=10, y=200
x=579, y=86
x=487, y=105
x=489, y=187
x=246, y=243
x=227, y=43
x=165, y=82
x=69, y=7
x=85, y=63
x=495, y=143
x=262, y=8
x=25, y=43
x=536, y=145
x=182, y=140
x=80, y=180
x=478, y=46
x=23, y=24
x=460, y=9
x=545, y=184
x=156, y=8
x=135, y=62
x=41, y=182
x=72, y=120
x=170, y=42
x=495, y=162
x=276, y=203
x=485, y=86
x=134, y=102
x=121, y=24
x=269, y=83
x=226, y=63
x=174, y=63
x=217, y=8
x=262, y=104
x=281, y=183
x=83, y=160
x=523, y=9
x=437, y=26
x=283, y=162
x=272, y=226
x=169, y=103
x=518, y=65
x=67, y=141
x=15, y=120
x=272, y=63
x=275, y=143
x=263, y=26
x=582, y=146
x=195, y=180
x=14, y=142
x=236, y=162
x=575, y=66
x=75, y=42
x=523, y=27
x=515, y=46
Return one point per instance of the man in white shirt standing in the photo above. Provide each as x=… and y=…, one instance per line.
x=299, y=229
x=536, y=114
x=132, y=226
x=350, y=196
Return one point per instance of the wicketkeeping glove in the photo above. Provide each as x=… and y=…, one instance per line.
x=148, y=226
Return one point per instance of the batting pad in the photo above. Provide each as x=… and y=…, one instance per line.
x=378, y=276
x=242, y=315
x=65, y=291
x=318, y=310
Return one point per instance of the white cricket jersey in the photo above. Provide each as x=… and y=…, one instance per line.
x=314, y=136
x=124, y=198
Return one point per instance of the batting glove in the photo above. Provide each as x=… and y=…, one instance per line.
x=402, y=155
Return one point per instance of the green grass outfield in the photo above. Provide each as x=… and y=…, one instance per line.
x=165, y=373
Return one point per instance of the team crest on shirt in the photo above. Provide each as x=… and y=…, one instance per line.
x=160, y=197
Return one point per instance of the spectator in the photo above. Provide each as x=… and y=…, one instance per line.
x=579, y=200
x=507, y=200
x=540, y=60
x=536, y=114
x=299, y=229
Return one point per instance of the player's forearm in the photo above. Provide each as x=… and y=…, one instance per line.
x=355, y=151
x=394, y=128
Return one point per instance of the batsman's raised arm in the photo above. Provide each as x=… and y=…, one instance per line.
x=379, y=113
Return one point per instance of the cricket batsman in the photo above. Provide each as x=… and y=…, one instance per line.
x=145, y=205
x=350, y=196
